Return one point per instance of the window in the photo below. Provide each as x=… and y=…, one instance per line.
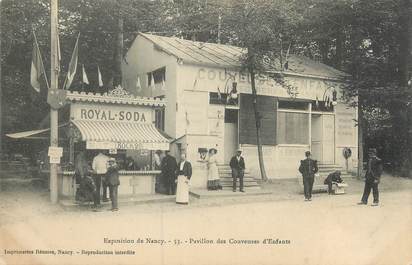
x=222, y=98
x=159, y=76
x=247, y=125
x=322, y=106
x=160, y=119
x=292, y=128
x=297, y=105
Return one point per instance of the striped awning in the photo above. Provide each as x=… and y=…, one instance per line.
x=121, y=135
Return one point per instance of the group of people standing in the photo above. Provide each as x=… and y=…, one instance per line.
x=103, y=173
x=177, y=176
x=309, y=167
x=237, y=165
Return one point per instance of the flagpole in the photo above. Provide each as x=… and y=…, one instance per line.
x=54, y=79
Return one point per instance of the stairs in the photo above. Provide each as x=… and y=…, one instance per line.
x=225, y=174
x=326, y=169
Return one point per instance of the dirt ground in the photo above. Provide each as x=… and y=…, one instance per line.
x=328, y=230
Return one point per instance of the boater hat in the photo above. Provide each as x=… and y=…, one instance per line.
x=239, y=150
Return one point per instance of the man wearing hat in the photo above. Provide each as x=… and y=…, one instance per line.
x=169, y=169
x=372, y=178
x=237, y=164
x=112, y=179
x=308, y=168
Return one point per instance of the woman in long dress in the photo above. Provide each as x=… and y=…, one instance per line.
x=183, y=177
x=213, y=179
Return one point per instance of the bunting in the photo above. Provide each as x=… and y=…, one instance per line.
x=99, y=77
x=138, y=86
x=151, y=82
x=163, y=84
x=84, y=76
x=219, y=94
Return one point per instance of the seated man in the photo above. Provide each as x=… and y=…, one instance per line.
x=333, y=177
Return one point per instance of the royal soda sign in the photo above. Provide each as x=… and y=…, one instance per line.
x=94, y=112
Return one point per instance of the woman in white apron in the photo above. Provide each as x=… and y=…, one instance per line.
x=183, y=176
x=213, y=179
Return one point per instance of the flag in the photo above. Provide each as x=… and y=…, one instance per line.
x=85, y=79
x=163, y=84
x=219, y=95
x=317, y=102
x=138, y=86
x=99, y=77
x=151, y=82
x=73, y=65
x=326, y=102
x=37, y=67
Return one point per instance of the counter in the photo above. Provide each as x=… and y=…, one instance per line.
x=131, y=183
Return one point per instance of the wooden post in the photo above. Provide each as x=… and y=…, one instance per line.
x=310, y=127
x=53, y=86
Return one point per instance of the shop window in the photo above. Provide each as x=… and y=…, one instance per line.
x=297, y=105
x=159, y=76
x=292, y=128
x=222, y=98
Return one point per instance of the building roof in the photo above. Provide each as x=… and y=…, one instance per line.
x=112, y=98
x=220, y=55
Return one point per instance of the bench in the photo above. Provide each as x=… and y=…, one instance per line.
x=318, y=186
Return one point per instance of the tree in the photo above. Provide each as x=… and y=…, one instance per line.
x=262, y=27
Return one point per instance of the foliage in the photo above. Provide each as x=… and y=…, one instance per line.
x=370, y=40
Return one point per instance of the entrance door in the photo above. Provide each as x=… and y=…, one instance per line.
x=328, y=141
x=316, y=141
x=231, y=134
x=323, y=138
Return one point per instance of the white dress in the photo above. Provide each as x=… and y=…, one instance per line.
x=182, y=191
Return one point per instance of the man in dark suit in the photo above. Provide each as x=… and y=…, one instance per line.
x=169, y=169
x=112, y=180
x=372, y=178
x=308, y=168
x=237, y=164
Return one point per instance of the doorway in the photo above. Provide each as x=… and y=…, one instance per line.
x=323, y=138
x=230, y=134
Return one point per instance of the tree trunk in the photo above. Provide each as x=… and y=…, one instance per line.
x=257, y=119
x=118, y=56
x=339, y=48
x=401, y=124
x=360, y=141
x=324, y=50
